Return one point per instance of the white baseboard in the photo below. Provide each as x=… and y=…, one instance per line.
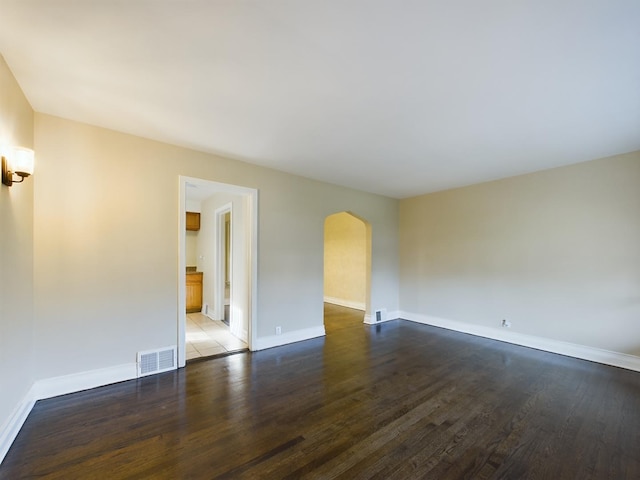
x=606, y=357
x=262, y=343
x=14, y=423
x=52, y=387
x=345, y=303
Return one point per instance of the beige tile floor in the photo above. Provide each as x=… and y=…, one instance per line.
x=206, y=337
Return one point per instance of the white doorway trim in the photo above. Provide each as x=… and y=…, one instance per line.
x=220, y=262
x=251, y=224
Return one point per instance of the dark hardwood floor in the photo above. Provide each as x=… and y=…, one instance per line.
x=397, y=400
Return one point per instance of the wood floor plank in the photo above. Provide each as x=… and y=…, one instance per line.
x=391, y=401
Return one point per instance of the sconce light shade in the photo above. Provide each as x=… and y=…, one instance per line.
x=19, y=162
x=22, y=161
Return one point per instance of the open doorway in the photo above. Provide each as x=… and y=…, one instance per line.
x=347, y=264
x=225, y=258
x=223, y=266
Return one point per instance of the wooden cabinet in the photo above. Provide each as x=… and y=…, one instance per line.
x=194, y=292
x=193, y=221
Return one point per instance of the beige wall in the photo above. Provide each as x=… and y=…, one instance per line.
x=191, y=248
x=104, y=292
x=345, y=260
x=16, y=256
x=556, y=252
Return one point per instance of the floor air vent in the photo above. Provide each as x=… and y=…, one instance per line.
x=156, y=361
x=381, y=315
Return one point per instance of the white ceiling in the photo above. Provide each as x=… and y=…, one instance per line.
x=395, y=97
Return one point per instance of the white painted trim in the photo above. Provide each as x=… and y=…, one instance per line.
x=76, y=382
x=345, y=303
x=289, y=337
x=606, y=357
x=52, y=387
x=14, y=423
x=181, y=332
x=252, y=217
x=218, y=260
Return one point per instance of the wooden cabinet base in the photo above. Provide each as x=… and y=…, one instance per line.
x=194, y=292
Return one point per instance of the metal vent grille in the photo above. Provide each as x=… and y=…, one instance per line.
x=156, y=361
x=148, y=363
x=165, y=360
x=381, y=315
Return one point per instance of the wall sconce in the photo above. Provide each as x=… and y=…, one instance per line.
x=16, y=161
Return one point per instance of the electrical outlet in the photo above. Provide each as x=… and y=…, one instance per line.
x=506, y=323
x=278, y=330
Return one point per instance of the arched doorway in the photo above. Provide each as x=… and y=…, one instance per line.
x=347, y=262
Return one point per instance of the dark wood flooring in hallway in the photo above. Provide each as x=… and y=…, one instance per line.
x=393, y=401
